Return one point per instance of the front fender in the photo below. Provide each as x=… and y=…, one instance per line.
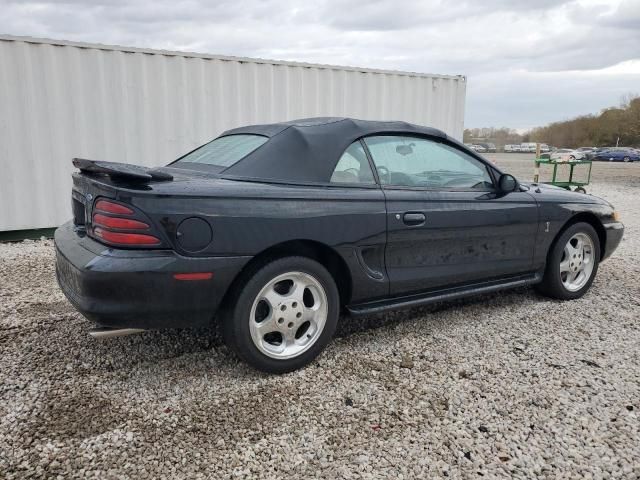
x=555, y=217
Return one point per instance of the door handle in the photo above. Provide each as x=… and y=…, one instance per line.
x=414, y=218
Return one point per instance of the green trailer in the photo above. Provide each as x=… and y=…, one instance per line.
x=565, y=174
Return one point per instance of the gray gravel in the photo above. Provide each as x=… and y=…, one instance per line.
x=510, y=384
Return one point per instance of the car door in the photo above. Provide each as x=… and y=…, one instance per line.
x=361, y=220
x=447, y=224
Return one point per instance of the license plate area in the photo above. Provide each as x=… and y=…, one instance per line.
x=67, y=274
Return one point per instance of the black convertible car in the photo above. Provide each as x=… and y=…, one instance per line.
x=274, y=229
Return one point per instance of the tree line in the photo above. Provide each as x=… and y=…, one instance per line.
x=616, y=125
x=499, y=136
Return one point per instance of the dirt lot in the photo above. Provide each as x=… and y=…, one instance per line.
x=510, y=384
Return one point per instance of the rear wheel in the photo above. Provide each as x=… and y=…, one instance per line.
x=572, y=263
x=284, y=316
x=626, y=159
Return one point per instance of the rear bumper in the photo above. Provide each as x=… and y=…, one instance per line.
x=136, y=288
x=614, y=232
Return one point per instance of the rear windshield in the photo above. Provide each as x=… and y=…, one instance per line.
x=224, y=151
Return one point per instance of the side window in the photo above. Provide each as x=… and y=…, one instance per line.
x=412, y=161
x=353, y=166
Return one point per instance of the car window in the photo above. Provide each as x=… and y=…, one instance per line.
x=224, y=151
x=353, y=166
x=412, y=161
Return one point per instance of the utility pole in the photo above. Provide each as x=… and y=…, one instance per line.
x=536, y=170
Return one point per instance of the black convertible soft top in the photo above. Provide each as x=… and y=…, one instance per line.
x=307, y=150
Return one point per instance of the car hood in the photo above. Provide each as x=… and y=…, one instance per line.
x=551, y=193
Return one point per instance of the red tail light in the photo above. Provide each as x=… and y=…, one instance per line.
x=121, y=223
x=120, y=238
x=111, y=207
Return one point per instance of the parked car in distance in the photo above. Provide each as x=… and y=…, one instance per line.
x=626, y=155
x=489, y=147
x=512, y=148
x=565, y=155
x=590, y=155
x=272, y=230
x=532, y=147
x=475, y=147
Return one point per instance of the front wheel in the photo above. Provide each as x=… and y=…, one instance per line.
x=572, y=263
x=284, y=316
x=626, y=159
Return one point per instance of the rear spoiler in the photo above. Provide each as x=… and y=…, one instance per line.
x=121, y=171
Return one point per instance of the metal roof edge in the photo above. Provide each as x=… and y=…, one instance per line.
x=227, y=58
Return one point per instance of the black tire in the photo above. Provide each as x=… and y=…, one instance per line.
x=626, y=159
x=235, y=321
x=551, y=285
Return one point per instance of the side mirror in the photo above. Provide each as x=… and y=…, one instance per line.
x=507, y=183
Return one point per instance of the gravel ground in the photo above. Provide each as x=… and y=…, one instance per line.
x=510, y=384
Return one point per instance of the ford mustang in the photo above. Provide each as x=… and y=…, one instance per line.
x=271, y=231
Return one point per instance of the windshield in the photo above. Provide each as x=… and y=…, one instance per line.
x=224, y=151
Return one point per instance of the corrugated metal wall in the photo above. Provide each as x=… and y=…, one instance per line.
x=60, y=100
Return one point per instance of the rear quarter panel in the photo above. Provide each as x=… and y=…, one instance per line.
x=247, y=218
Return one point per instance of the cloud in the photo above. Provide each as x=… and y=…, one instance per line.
x=384, y=15
x=530, y=99
x=626, y=16
x=536, y=49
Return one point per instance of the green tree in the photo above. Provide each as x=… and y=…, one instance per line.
x=601, y=130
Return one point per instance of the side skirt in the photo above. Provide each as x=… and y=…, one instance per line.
x=444, y=294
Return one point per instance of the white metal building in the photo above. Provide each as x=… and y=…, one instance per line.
x=61, y=99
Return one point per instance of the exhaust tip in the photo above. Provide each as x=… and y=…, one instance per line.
x=113, y=332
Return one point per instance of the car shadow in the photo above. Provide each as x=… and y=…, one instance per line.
x=209, y=338
x=194, y=350
x=350, y=325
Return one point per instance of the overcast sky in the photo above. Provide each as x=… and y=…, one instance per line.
x=528, y=62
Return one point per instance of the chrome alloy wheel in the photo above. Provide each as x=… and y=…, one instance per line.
x=577, y=262
x=288, y=315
